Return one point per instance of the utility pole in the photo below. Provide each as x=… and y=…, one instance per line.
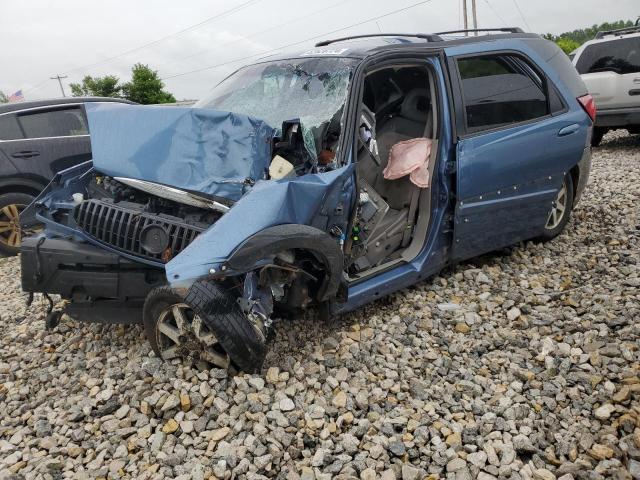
x=475, y=16
x=59, y=78
x=464, y=14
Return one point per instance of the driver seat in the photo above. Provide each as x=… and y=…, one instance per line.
x=414, y=121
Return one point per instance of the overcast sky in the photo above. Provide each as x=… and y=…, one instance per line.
x=42, y=38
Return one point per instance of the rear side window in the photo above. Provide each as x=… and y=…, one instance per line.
x=53, y=123
x=500, y=90
x=9, y=128
x=620, y=56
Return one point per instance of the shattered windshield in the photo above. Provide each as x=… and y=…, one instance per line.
x=313, y=90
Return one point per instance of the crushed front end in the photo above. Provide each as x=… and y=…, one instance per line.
x=199, y=223
x=105, y=243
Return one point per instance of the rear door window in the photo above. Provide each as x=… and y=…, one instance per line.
x=500, y=90
x=620, y=56
x=9, y=128
x=65, y=122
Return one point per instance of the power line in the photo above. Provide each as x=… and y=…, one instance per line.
x=372, y=19
x=522, y=16
x=270, y=29
x=161, y=39
x=496, y=13
x=36, y=86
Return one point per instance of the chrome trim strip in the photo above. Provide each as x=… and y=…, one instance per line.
x=43, y=138
x=174, y=194
x=54, y=106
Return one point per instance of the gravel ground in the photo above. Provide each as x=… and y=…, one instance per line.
x=522, y=364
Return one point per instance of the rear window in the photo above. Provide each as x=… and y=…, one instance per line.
x=9, y=128
x=620, y=56
x=558, y=61
x=53, y=123
x=500, y=90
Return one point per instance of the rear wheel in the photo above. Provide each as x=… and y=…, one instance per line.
x=11, y=205
x=560, y=210
x=596, y=138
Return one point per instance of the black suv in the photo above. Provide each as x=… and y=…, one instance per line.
x=37, y=140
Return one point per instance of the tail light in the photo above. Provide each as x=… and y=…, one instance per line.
x=589, y=106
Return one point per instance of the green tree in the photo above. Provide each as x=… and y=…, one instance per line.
x=106, y=86
x=3, y=97
x=567, y=45
x=146, y=87
x=569, y=41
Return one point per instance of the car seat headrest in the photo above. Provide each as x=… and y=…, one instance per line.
x=416, y=105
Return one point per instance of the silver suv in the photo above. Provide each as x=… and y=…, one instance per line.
x=610, y=66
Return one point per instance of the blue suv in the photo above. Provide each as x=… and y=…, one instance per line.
x=328, y=178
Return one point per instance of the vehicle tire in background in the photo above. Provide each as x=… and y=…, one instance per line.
x=11, y=205
x=598, y=133
x=560, y=210
x=242, y=339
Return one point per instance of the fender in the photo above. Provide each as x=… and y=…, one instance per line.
x=293, y=236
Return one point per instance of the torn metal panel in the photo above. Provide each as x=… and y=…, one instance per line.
x=212, y=152
x=288, y=201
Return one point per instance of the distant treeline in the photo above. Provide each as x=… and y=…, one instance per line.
x=569, y=41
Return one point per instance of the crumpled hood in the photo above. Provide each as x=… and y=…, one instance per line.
x=211, y=152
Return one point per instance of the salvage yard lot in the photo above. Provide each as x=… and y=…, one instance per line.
x=521, y=364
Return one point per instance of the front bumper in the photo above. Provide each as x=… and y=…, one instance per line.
x=100, y=285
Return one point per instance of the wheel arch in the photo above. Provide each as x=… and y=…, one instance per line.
x=293, y=236
x=575, y=177
x=21, y=185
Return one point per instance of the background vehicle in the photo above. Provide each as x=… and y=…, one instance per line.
x=291, y=186
x=37, y=139
x=610, y=66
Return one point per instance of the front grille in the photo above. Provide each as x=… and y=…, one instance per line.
x=120, y=228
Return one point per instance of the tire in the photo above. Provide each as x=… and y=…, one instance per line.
x=244, y=344
x=598, y=133
x=11, y=205
x=553, y=228
x=157, y=300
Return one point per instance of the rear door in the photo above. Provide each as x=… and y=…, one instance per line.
x=611, y=70
x=43, y=141
x=516, y=140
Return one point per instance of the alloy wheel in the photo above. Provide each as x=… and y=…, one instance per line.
x=557, y=209
x=182, y=333
x=10, y=232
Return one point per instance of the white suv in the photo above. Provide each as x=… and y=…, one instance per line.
x=610, y=66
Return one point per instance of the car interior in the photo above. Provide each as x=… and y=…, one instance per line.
x=393, y=217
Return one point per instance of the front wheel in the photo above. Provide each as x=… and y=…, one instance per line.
x=174, y=330
x=560, y=210
x=207, y=325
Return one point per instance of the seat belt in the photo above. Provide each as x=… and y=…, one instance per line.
x=415, y=195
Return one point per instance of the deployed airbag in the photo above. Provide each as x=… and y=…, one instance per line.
x=212, y=152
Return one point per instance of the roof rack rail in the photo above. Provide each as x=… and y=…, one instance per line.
x=620, y=31
x=429, y=37
x=475, y=30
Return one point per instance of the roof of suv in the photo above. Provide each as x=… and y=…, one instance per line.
x=360, y=46
x=14, y=107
